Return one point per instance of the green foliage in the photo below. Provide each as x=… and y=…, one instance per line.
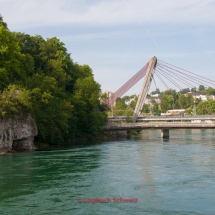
x=134, y=132
x=4, y=79
x=124, y=98
x=4, y=24
x=15, y=100
x=184, y=91
x=193, y=90
x=167, y=102
x=167, y=92
x=86, y=99
x=157, y=91
x=146, y=108
x=38, y=76
x=133, y=103
x=201, y=88
x=189, y=111
x=156, y=109
x=119, y=108
x=206, y=108
x=210, y=91
x=185, y=101
x=129, y=111
x=14, y=64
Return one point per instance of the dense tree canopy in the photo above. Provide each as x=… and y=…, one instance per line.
x=38, y=76
x=167, y=102
x=201, y=88
x=206, y=108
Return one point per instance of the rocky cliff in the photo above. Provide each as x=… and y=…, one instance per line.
x=17, y=134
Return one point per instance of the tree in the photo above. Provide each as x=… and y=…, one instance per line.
x=129, y=111
x=119, y=108
x=186, y=101
x=193, y=90
x=184, y=91
x=201, y=88
x=169, y=92
x=146, y=108
x=4, y=24
x=38, y=76
x=157, y=91
x=14, y=64
x=15, y=100
x=206, y=108
x=86, y=100
x=30, y=45
x=167, y=102
x=124, y=98
x=210, y=91
x=133, y=103
x=104, y=98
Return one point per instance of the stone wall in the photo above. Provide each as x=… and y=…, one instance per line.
x=17, y=134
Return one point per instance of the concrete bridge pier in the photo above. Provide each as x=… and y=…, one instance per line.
x=165, y=133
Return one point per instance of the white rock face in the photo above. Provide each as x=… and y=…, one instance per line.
x=17, y=134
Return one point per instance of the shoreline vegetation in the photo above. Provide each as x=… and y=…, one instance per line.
x=38, y=77
x=107, y=136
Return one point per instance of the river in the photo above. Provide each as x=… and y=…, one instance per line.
x=173, y=176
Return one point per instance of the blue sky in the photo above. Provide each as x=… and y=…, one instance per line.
x=116, y=38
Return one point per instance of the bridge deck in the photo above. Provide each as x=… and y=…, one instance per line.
x=164, y=125
x=161, y=118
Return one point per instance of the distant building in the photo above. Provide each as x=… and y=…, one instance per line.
x=129, y=101
x=174, y=112
x=108, y=94
x=188, y=93
x=202, y=97
x=211, y=97
x=155, y=95
x=149, y=98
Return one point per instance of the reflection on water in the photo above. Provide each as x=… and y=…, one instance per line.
x=170, y=176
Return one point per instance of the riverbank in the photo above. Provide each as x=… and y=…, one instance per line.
x=103, y=136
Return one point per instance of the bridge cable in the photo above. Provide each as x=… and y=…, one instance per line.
x=181, y=78
x=161, y=78
x=187, y=71
x=170, y=80
x=191, y=76
x=154, y=82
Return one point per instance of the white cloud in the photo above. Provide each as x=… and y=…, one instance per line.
x=111, y=34
x=31, y=13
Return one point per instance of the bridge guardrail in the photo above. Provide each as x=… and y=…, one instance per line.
x=155, y=123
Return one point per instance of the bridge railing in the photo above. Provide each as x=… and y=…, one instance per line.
x=153, y=123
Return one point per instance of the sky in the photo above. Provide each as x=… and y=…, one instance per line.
x=116, y=38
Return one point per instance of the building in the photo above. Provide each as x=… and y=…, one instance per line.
x=211, y=97
x=149, y=98
x=107, y=94
x=129, y=101
x=202, y=97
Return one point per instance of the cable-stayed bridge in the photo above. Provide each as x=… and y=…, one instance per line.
x=165, y=73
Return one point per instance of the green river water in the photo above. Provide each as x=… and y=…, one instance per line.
x=175, y=176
